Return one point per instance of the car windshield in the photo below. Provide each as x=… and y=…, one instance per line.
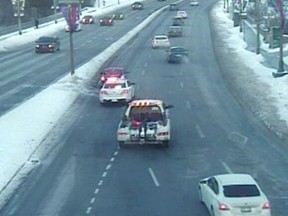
x=173, y=28
x=147, y=113
x=161, y=38
x=241, y=191
x=177, y=50
x=45, y=39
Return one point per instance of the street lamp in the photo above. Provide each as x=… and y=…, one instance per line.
x=257, y=11
x=55, y=7
x=18, y=17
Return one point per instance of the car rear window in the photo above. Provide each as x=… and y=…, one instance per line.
x=161, y=38
x=114, y=85
x=241, y=191
x=147, y=113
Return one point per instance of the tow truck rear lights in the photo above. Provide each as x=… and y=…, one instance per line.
x=102, y=78
x=266, y=205
x=136, y=123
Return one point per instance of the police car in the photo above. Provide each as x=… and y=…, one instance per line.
x=116, y=90
x=145, y=121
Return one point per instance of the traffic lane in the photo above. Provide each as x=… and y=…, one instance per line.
x=22, y=81
x=64, y=182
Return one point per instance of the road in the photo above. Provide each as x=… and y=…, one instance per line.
x=86, y=173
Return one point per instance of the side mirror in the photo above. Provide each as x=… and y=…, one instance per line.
x=203, y=182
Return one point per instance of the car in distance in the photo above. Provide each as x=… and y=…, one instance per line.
x=77, y=27
x=177, y=54
x=116, y=90
x=87, y=19
x=182, y=14
x=118, y=16
x=173, y=7
x=194, y=3
x=175, y=31
x=145, y=121
x=137, y=6
x=106, y=21
x=178, y=21
x=233, y=194
x=160, y=41
x=47, y=44
x=113, y=71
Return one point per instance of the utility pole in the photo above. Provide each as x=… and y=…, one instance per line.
x=257, y=12
x=19, y=18
x=71, y=41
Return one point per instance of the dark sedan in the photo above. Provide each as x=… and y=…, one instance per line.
x=137, y=6
x=118, y=16
x=177, y=54
x=175, y=31
x=88, y=19
x=47, y=44
x=106, y=21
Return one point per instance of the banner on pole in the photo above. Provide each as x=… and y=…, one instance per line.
x=71, y=12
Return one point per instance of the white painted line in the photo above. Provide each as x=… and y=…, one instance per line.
x=188, y=104
x=96, y=191
x=243, y=138
x=100, y=182
x=116, y=153
x=92, y=200
x=146, y=64
x=226, y=167
x=199, y=131
x=88, y=211
x=112, y=159
x=142, y=72
x=108, y=166
x=182, y=85
x=153, y=177
x=104, y=174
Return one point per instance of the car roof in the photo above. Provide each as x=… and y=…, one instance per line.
x=235, y=179
x=142, y=102
x=116, y=68
x=115, y=80
x=160, y=36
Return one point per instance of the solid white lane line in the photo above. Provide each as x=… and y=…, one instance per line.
x=226, y=167
x=153, y=177
x=108, y=166
x=104, y=174
x=88, y=211
x=96, y=191
x=188, y=104
x=199, y=131
x=92, y=200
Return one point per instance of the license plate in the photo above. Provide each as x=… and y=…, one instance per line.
x=245, y=209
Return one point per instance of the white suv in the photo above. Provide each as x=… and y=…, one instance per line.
x=160, y=41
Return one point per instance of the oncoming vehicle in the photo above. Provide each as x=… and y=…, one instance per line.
x=77, y=27
x=177, y=54
x=194, y=3
x=106, y=21
x=118, y=16
x=175, y=31
x=182, y=14
x=47, y=44
x=137, y=6
x=160, y=41
x=87, y=19
x=233, y=194
x=108, y=72
x=145, y=121
x=178, y=21
x=116, y=90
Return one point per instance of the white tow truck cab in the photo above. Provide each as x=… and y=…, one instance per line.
x=145, y=121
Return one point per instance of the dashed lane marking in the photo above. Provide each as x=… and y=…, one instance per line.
x=181, y=85
x=88, y=211
x=199, y=131
x=226, y=167
x=153, y=177
x=188, y=104
x=92, y=200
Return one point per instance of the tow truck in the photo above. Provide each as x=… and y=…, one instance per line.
x=145, y=121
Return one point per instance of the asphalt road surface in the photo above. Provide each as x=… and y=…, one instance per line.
x=86, y=174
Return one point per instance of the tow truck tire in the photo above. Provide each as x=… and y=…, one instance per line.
x=165, y=144
x=121, y=144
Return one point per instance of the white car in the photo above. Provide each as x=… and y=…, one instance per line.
x=145, y=121
x=194, y=3
x=233, y=194
x=116, y=90
x=78, y=27
x=182, y=14
x=160, y=41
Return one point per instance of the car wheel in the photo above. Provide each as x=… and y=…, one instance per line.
x=121, y=144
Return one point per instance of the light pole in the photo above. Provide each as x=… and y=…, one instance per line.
x=18, y=16
x=55, y=7
x=257, y=11
x=71, y=41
